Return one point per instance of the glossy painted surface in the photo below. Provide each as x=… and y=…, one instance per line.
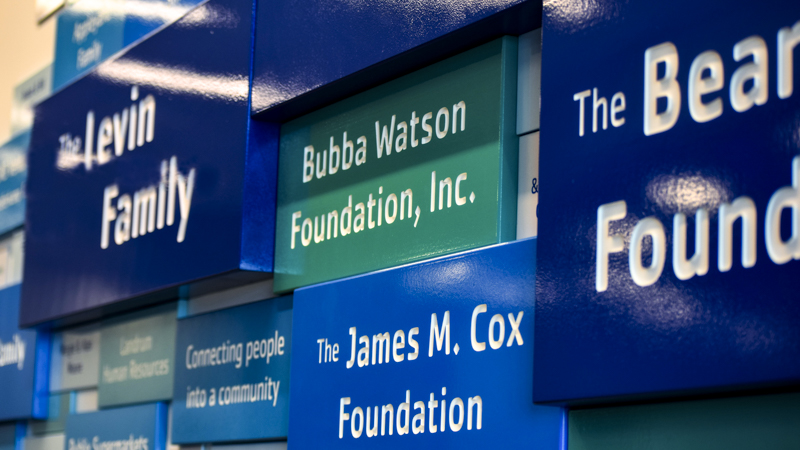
x=137, y=357
x=13, y=172
x=715, y=332
x=241, y=393
x=479, y=294
x=452, y=121
x=196, y=73
x=304, y=44
x=142, y=427
x=23, y=363
x=769, y=421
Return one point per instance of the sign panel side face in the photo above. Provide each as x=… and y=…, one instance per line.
x=17, y=360
x=647, y=280
x=232, y=380
x=260, y=197
x=138, y=427
x=768, y=421
x=163, y=186
x=137, y=360
x=509, y=143
x=301, y=63
x=445, y=358
x=377, y=207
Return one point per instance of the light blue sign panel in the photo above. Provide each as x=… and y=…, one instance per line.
x=90, y=31
x=23, y=364
x=13, y=172
x=142, y=427
x=87, y=33
x=430, y=355
x=232, y=374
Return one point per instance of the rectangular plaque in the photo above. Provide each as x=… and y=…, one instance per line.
x=137, y=357
x=232, y=376
x=433, y=354
x=421, y=166
x=670, y=225
x=75, y=359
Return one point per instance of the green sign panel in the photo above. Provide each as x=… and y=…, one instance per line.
x=765, y=421
x=137, y=358
x=422, y=166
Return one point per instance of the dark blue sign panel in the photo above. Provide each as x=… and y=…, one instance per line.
x=430, y=355
x=23, y=363
x=142, y=427
x=13, y=171
x=232, y=374
x=147, y=173
x=302, y=45
x=670, y=199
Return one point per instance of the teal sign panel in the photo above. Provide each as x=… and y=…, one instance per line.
x=136, y=358
x=421, y=166
x=742, y=423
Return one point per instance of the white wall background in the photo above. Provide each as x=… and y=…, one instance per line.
x=25, y=48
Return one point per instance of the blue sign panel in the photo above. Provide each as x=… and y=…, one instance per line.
x=87, y=33
x=670, y=213
x=142, y=427
x=431, y=355
x=90, y=31
x=303, y=45
x=142, y=170
x=232, y=374
x=13, y=171
x=23, y=363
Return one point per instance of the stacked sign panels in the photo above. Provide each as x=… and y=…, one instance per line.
x=274, y=226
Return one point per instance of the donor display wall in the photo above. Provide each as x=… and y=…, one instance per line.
x=226, y=246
